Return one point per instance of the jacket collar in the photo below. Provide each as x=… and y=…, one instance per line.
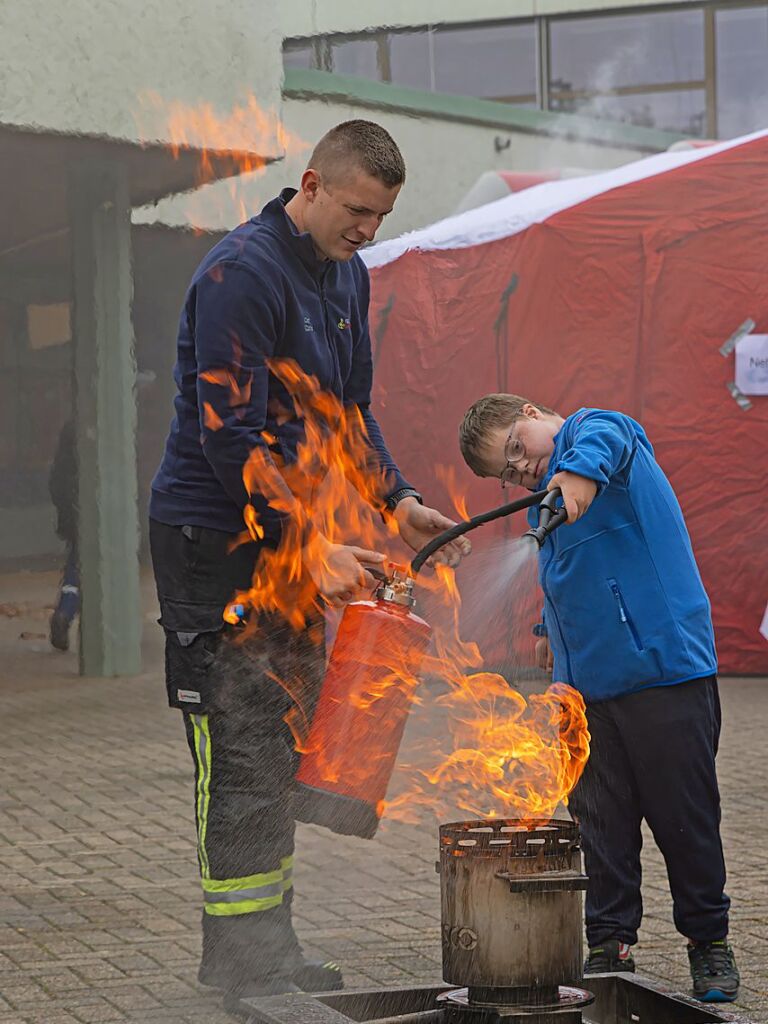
x=300, y=241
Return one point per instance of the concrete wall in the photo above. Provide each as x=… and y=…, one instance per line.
x=87, y=66
x=448, y=142
x=317, y=17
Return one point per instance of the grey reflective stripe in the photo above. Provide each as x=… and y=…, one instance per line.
x=260, y=892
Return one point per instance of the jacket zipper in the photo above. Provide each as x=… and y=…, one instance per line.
x=624, y=615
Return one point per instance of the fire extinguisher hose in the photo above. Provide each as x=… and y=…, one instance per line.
x=535, y=498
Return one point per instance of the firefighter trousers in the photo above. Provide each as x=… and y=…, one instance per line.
x=238, y=687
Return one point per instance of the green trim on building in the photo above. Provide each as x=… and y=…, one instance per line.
x=363, y=92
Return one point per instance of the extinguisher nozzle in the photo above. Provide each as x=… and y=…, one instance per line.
x=550, y=517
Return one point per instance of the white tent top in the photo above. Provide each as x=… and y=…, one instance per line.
x=516, y=212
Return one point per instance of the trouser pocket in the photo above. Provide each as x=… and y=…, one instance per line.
x=193, y=635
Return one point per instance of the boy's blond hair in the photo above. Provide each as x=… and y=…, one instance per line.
x=484, y=415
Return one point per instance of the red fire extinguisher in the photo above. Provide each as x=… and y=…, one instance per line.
x=348, y=757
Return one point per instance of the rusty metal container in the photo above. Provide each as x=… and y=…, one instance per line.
x=511, y=908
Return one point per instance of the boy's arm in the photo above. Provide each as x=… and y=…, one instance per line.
x=602, y=446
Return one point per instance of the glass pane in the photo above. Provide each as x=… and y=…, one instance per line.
x=628, y=49
x=487, y=62
x=409, y=59
x=681, y=111
x=356, y=57
x=742, y=70
x=298, y=57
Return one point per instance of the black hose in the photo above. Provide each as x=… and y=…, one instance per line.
x=470, y=524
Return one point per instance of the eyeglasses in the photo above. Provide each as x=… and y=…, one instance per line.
x=514, y=452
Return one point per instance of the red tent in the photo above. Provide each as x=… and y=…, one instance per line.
x=615, y=290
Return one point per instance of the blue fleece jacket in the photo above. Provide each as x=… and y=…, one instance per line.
x=624, y=604
x=261, y=292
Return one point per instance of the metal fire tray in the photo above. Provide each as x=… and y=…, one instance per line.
x=619, y=999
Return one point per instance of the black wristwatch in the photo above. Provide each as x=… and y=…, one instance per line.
x=405, y=492
x=540, y=630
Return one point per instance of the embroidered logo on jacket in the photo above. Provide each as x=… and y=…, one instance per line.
x=308, y=324
x=344, y=323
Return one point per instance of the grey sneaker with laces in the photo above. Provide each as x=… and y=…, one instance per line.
x=612, y=957
x=714, y=971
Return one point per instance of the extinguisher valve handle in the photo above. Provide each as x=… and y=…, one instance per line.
x=397, y=588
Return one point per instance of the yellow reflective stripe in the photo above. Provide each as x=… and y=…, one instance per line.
x=250, y=892
x=202, y=736
x=286, y=866
x=247, y=882
x=243, y=907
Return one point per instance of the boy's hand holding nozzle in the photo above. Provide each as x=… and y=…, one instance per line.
x=578, y=493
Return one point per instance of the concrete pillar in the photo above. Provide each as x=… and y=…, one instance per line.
x=105, y=411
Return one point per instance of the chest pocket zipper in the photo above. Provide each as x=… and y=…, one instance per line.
x=624, y=614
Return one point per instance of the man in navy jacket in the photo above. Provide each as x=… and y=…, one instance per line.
x=286, y=285
x=627, y=623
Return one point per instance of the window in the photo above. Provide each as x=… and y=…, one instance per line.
x=647, y=69
x=492, y=62
x=683, y=111
x=410, y=60
x=742, y=70
x=299, y=56
x=356, y=57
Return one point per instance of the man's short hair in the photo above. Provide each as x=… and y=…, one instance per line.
x=364, y=144
x=484, y=415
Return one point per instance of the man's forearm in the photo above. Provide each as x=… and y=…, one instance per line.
x=385, y=477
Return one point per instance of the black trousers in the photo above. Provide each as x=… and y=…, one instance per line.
x=653, y=757
x=237, y=687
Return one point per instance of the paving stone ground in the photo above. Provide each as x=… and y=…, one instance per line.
x=99, y=909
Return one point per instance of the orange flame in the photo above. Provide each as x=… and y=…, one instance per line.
x=240, y=141
x=498, y=755
x=447, y=474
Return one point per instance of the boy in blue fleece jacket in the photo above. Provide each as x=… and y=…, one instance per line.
x=627, y=623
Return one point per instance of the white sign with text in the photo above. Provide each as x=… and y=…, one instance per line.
x=752, y=364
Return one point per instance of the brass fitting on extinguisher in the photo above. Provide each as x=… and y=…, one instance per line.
x=397, y=588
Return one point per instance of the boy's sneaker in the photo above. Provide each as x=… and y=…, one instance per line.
x=612, y=957
x=714, y=972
